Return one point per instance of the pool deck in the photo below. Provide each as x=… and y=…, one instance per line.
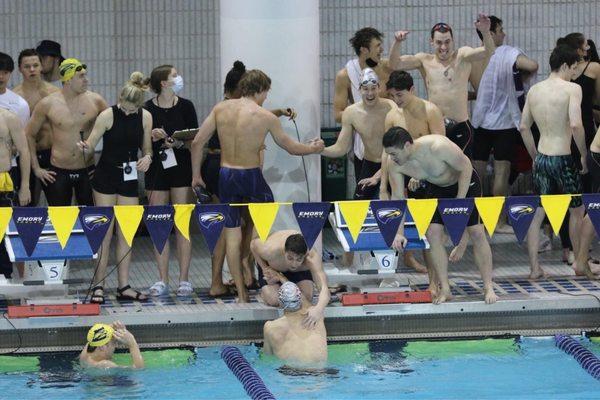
x=560, y=303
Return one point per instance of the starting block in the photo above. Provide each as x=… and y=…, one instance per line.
x=383, y=260
x=47, y=269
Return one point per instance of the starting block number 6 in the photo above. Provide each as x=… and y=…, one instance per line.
x=386, y=260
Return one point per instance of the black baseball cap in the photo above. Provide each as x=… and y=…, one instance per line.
x=49, y=48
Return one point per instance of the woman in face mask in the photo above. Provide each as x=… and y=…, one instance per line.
x=169, y=177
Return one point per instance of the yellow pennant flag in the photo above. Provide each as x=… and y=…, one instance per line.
x=489, y=210
x=129, y=218
x=354, y=213
x=422, y=211
x=556, y=206
x=5, y=216
x=63, y=219
x=263, y=215
x=183, y=213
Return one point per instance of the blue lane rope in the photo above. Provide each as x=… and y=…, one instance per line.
x=584, y=357
x=241, y=368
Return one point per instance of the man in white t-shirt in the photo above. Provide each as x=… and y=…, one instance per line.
x=9, y=100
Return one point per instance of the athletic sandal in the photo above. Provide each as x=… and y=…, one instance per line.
x=97, y=298
x=122, y=296
x=185, y=289
x=158, y=289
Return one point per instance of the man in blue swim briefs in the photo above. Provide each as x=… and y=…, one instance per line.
x=242, y=125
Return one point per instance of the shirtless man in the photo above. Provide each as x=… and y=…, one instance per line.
x=51, y=58
x=288, y=338
x=555, y=106
x=418, y=116
x=446, y=74
x=284, y=257
x=12, y=136
x=448, y=173
x=33, y=89
x=242, y=125
x=102, y=340
x=367, y=118
x=71, y=113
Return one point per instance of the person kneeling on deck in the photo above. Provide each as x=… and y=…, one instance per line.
x=447, y=173
x=288, y=338
x=101, y=343
x=284, y=257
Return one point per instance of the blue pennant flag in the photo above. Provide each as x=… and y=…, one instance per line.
x=520, y=211
x=592, y=206
x=455, y=213
x=29, y=222
x=159, y=221
x=388, y=215
x=211, y=220
x=311, y=217
x=95, y=221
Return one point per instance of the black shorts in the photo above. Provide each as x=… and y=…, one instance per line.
x=6, y=267
x=501, y=141
x=367, y=170
x=158, y=178
x=557, y=175
x=461, y=133
x=60, y=192
x=109, y=180
x=419, y=193
x=295, y=277
x=211, y=167
x=450, y=192
x=593, y=164
x=357, y=163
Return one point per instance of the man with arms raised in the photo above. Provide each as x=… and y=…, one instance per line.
x=242, y=125
x=289, y=339
x=11, y=135
x=284, y=257
x=555, y=106
x=33, y=89
x=446, y=74
x=102, y=340
x=71, y=113
x=367, y=118
x=447, y=173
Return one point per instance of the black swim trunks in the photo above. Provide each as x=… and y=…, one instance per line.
x=367, y=170
x=450, y=192
x=461, y=134
x=593, y=164
x=501, y=141
x=557, y=175
x=211, y=167
x=60, y=192
x=295, y=277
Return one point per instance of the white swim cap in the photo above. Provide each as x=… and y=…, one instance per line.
x=290, y=296
x=368, y=77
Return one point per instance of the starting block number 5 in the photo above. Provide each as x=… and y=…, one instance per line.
x=386, y=260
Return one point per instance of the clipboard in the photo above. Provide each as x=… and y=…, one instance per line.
x=185, y=134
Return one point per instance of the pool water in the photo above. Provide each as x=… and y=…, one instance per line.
x=531, y=368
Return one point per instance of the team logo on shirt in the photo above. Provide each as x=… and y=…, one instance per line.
x=385, y=215
x=210, y=218
x=520, y=210
x=93, y=221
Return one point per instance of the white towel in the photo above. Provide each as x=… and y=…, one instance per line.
x=496, y=107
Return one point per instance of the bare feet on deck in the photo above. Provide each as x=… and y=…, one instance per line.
x=411, y=262
x=489, y=296
x=537, y=273
x=442, y=297
x=457, y=253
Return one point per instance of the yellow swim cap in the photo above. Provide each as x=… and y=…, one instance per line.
x=99, y=335
x=69, y=67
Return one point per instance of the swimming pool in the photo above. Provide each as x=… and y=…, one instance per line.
x=530, y=368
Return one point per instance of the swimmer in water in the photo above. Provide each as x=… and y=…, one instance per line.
x=288, y=339
x=102, y=340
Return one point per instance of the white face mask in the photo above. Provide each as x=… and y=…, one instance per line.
x=177, y=84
